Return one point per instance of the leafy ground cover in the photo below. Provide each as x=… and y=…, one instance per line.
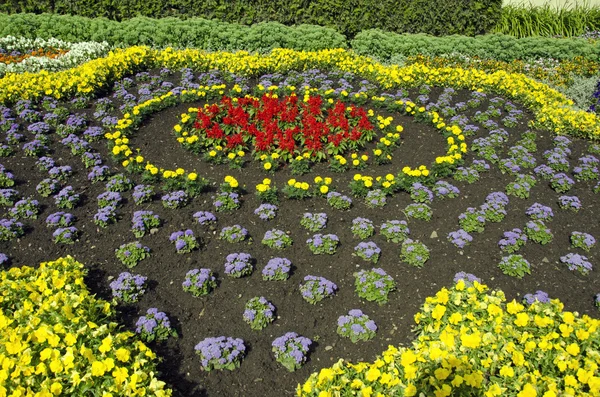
x=469, y=184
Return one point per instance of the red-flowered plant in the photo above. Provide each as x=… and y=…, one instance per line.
x=287, y=125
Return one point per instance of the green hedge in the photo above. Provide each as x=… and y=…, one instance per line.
x=197, y=33
x=348, y=17
x=385, y=45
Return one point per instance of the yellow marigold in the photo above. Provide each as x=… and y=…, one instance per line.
x=192, y=176
x=267, y=166
x=324, y=189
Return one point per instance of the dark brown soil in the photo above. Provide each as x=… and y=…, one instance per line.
x=220, y=313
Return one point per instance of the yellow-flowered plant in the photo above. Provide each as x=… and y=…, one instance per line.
x=267, y=192
x=472, y=342
x=322, y=185
x=296, y=189
x=361, y=185
x=57, y=339
x=230, y=184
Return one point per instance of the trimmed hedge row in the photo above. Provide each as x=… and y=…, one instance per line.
x=346, y=16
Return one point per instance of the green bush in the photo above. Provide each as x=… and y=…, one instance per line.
x=196, y=32
x=348, y=17
x=385, y=46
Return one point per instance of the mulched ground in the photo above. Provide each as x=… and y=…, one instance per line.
x=220, y=313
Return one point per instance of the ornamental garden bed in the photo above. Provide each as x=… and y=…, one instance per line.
x=444, y=176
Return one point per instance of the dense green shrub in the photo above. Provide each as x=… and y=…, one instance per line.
x=196, y=32
x=385, y=46
x=346, y=16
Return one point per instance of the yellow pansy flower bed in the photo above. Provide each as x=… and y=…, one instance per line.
x=473, y=343
x=57, y=339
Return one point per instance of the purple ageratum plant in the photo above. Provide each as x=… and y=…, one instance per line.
x=8, y=197
x=512, y=240
x=47, y=187
x=291, y=350
x=584, y=241
x=539, y=296
x=35, y=148
x=233, y=234
x=480, y=165
x=60, y=172
x=356, y=326
x=130, y=254
x=544, y=171
x=540, y=212
x=226, y=201
x=561, y=182
x=374, y=285
x=460, y=238
x=27, y=208
x=220, y=353
x=493, y=211
x=314, y=289
x=77, y=145
x=143, y=221
x=259, y=313
x=338, y=201
x=67, y=198
x=468, y=175
x=184, y=241
x=266, y=211
x=277, y=239
x=515, y=266
x=509, y=166
x=277, y=269
x=362, y=227
x=154, y=325
x=98, y=173
x=93, y=134
x=238, y=265
x=375, y=199
x=368, y=251
x=90, y=159
x=569, y=203
x=10, y=229
x=466, y=278
x=205, y=218
x=142, y=194
x=472, y=220
x=521, y=186
x=538, y=232
x=443, y=189
x=323, y=244
x=65, y=235
x=39, y=128
x=7, y=179
x=587, y=168
x=314, y=221
x=128, y=288
x=199, y=282
x=557, y=160
x=106, y=216
x=414, y=252
x=577, y=262
x=119, y=183
x=395, y=230
x=175, y=199
x=418, y=211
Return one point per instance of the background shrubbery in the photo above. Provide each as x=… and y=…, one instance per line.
x=346, y=16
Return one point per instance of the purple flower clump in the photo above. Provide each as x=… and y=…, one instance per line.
x=460, y=238
x=220, y=353
x=577, y=262
x=539, y=296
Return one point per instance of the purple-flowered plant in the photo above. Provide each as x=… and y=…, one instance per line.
x=109, y=199
x=539, y=296
x=362, y=227
x=577, y=262
x=509, y=166
x=226, y=201
x=259, y=313
x=176, y=199
x=130, y=254
x=540, y=212
x=277, y=269
x=512, y=240
x=184, y=241
x=356, y=326
x=561, y=182
x=368, y=251
x=7, y=179
x=587, y=168
x=10, y=229
x=67, y=198
x=143, y=221
x=233, y=234
x=544, y=171
x=199, y=282
x=584, y=241
x=47, y=187
x=314, y=289
x=4, y=259
x=291, y=350
x=8, y=197
x=65, y=235
x=537, y=232
x=338, y=201
x=277, y=239
x=374, y=285
x=464, y=174
x=119, y=183
x=443, y=189
x=314, y=221
x=26, y=208
x=395, y=230
x=106, y=216
x=98, y=173
x=128, y=288
x=39, y=128
x=205, y=218
x=466, y=278
x=154, y=325
x=414, y=252
x=375, y=199
x=569, y=203
x=460, y=238
x=323, y=243
x=418, y=211
x=472, y=220
x=521, y=186
x=93, y=134
x=35, y=148
x=61, y=172
x=515, y=265
x=220, y=353
x=266, y=211
x=90, y=159
x=77, y=145
x=238, y=265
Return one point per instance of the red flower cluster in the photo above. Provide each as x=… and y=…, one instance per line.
x=286, y=124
